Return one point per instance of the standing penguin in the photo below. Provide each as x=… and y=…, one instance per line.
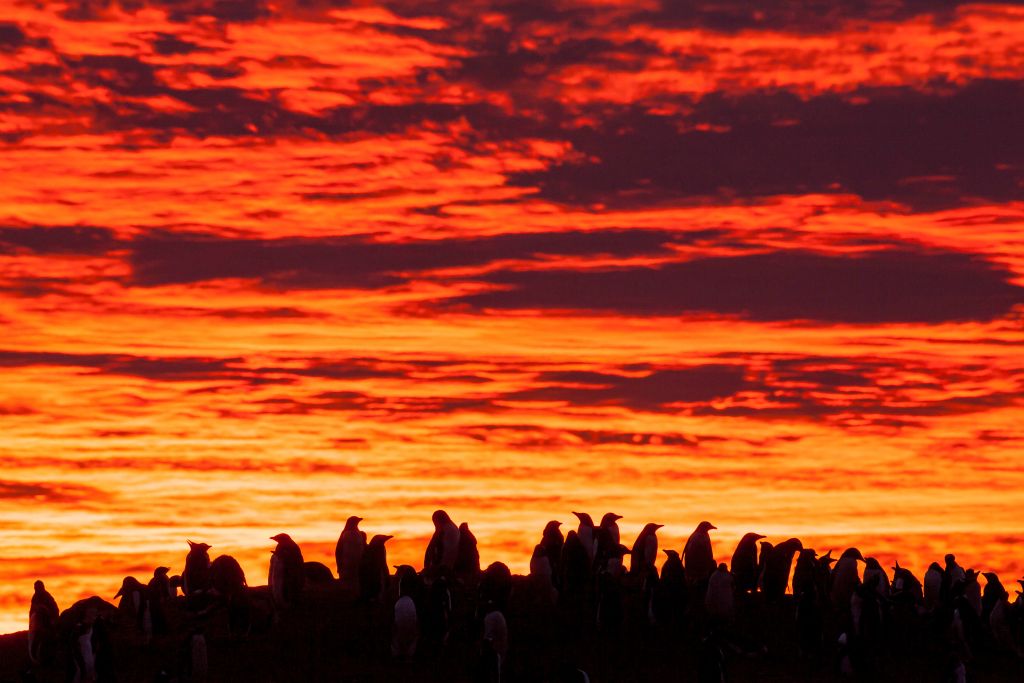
x=933, y=587
x=744, y=563
x=374, y=574
x=443, y=548
x=136, y=604
x=158, y=592
x=993, y=592
x=669, y=599
x=762, y=560
x=805, y=571
x=467, y=557
x=873, y=568
x=287, y=575
x=777, y=566
x=42, y=623
x=83, y=656
x=496, y=636
x=845, y=578
x=160, y=584
x=972, y=591
x=575, y=566
x=644, y=556
x=348, y=553
x=606, y=538
x=587, y=534
x=551, y=542
x=195, y=578
x=952, y=575
x=720, y=599
x=405, y=628
x=698, y=558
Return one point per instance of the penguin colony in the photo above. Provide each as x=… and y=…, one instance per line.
x=844, y=617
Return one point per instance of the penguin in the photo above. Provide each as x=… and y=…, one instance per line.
x=195, y=578
x=951, y=576
x=444, y=544
x=610, y=593
x=349, y=552
x=434, y=614
x=467, y=556
x=496, y=634
x=698, y=558
x=551, y=543
x=158, y=591
x=374, y=574
x=574, y=566
x=82, y=654
x=720, y=598
x=777, y=566
x=873, y=568
x=933, y=579
x=823, y=577
x=42, y=623
x=1001, y=623
x=160, y=584
x=744, y=563
x=287, y=575
x=606, y=537
x=228, y=584
x=496, y=585
x=644, y=554
x=317, y=574
x=669, y=599
x=805, y=571
x=408, y=582
x=135, y=603
x=405, y=627
x=845, y=578
x=542, y=575
x=906, y=590
x=587, y=534
x=992, y=593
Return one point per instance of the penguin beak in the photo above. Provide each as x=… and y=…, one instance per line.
x=119, y=592
x=711, y=526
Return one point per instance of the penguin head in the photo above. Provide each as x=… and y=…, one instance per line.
x=283, y=539
x=872, y=563
x=826, y=560
x=552, y=526
x=752, y=537
x=609, y=519
x=934, y=567
x=990, y=577
x=853, y=554
x=651, y=528
x=950, y=559
x=440, y=517
x=161, y=571
x=198, y=547
x=352, y=523
x=671, y=554
x=380, y=539
x=705, y=527
x=584, y=518
x=39, y=587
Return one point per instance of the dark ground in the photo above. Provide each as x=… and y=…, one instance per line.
x=330, y=638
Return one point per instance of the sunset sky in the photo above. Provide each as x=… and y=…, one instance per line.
x=264, y=265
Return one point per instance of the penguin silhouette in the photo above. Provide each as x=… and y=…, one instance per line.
x=374, y=574
x=777, y=566
x=972, y=592
x=551, y=543
x=992, y=593
x=158, y=592
x=906, y=588
x=805, y=571
x=669, y=599
x=644, y=555
x=136, y=604
x=719, y=602
x=587, y=534
x=405, y=626
x=744, y=563
x=762, y=561
x=42, y=624
x=443, y=547
x=606, y=537
x=541, y=574
x=574, y=566
x=496, y=585
x=845, y=578
x=495, y=630
x=467, y=556
x=287, y=571
x=195, y=578
x=317, y=574
x=698, y=558
x=348, y=553
x=872, y=569
x=952, y=575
